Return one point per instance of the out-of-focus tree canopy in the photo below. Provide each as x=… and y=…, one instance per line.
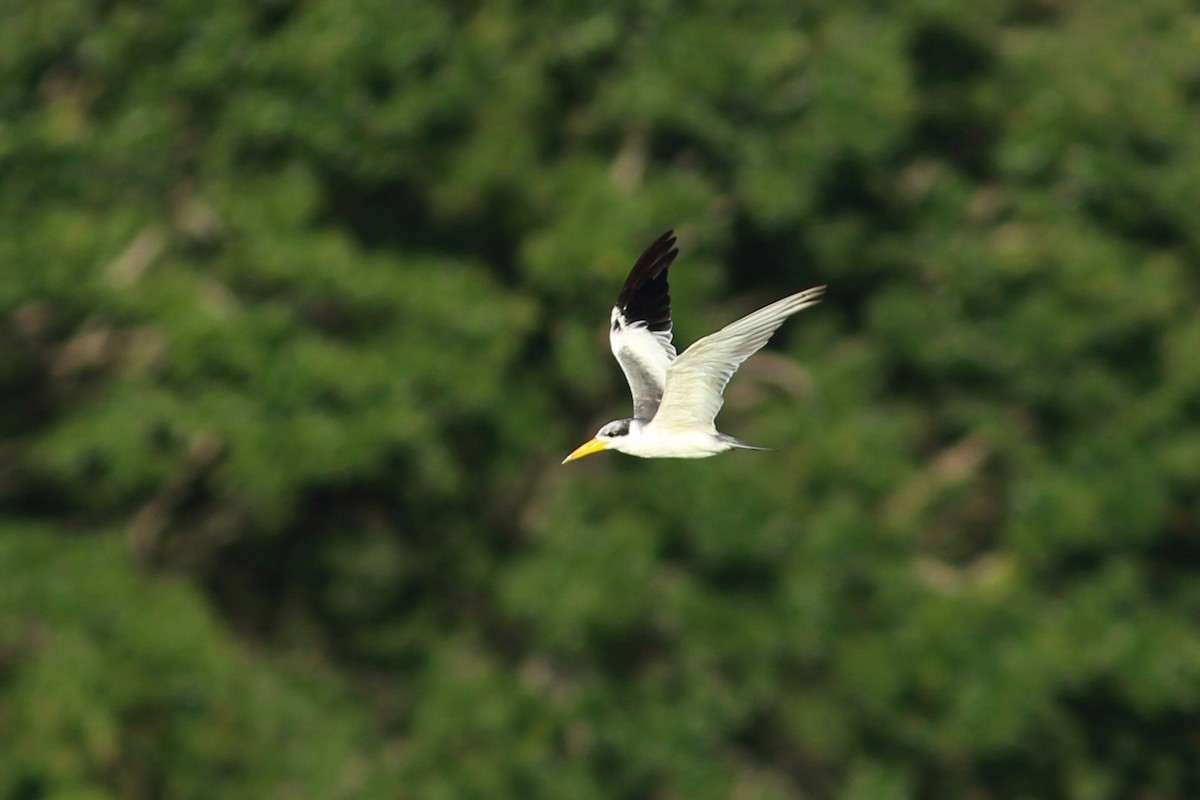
x=302, y=302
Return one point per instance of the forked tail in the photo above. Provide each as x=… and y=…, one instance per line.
x=734, y=442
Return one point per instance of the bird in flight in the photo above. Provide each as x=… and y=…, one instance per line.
x=676, y=399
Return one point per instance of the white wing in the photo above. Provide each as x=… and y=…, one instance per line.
x=644, y=356
x=640, y=332
x=696, y=380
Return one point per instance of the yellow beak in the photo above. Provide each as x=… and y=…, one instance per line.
x=586, y=449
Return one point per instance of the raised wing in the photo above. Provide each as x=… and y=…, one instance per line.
x=696, y=380
x=641, y=326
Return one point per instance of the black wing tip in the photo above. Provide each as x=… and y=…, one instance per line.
x=657, y=256
x=653, y=262
x=666, y=241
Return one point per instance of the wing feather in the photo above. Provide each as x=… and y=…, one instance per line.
x=696, y=380
x=640, y=333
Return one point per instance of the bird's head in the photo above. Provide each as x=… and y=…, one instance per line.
x=609, y=437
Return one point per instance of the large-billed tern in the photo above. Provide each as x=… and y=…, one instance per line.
x=676, y=399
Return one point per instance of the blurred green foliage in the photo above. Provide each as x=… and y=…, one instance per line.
x=302, y=301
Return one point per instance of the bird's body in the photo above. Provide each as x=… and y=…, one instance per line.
x=676, y=398
x=647, y=440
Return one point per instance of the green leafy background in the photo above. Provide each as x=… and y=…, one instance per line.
x=303, y=301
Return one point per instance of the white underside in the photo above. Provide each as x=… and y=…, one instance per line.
x=647, y=442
